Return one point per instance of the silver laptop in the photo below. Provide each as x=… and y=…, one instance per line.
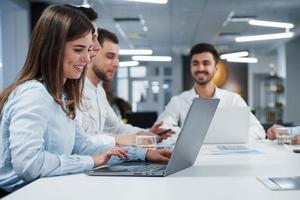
x=185, y=151
x=229, y=125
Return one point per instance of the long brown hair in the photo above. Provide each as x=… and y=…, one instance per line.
x=57, y=25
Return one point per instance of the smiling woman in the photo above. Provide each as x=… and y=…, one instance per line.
x=76, y=56
x=38, y=134
x=38, y=107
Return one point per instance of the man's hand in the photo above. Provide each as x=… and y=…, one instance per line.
x=160, y=155
x=102, y=158
x=271, y=132
x=296, y=139
x=126, y=140
x=156, y=129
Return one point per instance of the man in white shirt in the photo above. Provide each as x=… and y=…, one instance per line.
x=97, y=118
x=204, y=59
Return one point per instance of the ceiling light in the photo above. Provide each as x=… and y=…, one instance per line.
x=242, y=60
x=264, y=37
x=135, y=52
x=234, y=55
x=128, y=63
x=270, y=24
x=151, y=1
x=241, y=18
x=152, y=58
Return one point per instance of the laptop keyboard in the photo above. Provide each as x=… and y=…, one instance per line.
x=147, y=168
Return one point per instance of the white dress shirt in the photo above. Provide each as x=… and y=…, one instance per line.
x=97, y=119
x=175, y=112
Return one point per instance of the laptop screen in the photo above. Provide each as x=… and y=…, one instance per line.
x=192, y=134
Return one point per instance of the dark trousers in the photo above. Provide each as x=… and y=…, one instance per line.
x=3, y=193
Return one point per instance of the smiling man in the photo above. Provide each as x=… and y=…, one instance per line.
x=204, y=59
x=97, y=119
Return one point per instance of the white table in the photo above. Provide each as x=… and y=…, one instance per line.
x=212, y=177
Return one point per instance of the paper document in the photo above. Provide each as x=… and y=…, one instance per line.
x=233, y=150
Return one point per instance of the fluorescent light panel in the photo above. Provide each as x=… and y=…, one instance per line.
x=152, y=58
x=264, y=37
x=234, y=55
x=243, y=60
x=136, y=52
x=270, y=24
x=128, y=63
x=151, y=1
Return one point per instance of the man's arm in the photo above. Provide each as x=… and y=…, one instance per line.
x=170, y=116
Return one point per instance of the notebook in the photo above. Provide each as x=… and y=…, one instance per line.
x=185, y=151
x=281, y=183
x=230, y=125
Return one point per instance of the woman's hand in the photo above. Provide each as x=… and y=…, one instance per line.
x=160, y=155
x=102, y=158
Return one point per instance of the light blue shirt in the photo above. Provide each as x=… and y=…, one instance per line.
x=294, y=131
x=38, y=139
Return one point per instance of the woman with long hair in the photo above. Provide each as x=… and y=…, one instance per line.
x=38, y=134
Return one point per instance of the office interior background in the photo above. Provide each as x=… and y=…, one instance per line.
x=270, y=84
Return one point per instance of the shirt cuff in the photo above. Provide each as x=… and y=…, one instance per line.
x=138, y=153
x=87, y=162
x=292, y=131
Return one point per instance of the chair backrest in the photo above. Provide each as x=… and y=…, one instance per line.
x=141, y=119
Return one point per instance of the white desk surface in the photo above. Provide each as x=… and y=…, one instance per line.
x=212, y=177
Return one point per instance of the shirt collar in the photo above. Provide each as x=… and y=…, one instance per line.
x=90, y=85
x=193, y=93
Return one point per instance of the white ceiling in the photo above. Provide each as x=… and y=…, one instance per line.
x=173, y=28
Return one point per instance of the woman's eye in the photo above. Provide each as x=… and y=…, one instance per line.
x=77, y=50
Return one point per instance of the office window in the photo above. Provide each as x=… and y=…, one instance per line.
x=122, y=72
x=153, y=71
x=167, y=71
x=138, y=72
x=167, y=86
x=122, y=88
x=140, y=92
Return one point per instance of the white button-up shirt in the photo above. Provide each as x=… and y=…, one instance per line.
x=97, y=119
x=176, y=111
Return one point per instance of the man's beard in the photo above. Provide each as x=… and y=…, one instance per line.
x=202, y=81
x=100, y=75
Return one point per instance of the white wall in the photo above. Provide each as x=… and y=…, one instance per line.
x=15, y=39
x=292, y=112
x=261, y=67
